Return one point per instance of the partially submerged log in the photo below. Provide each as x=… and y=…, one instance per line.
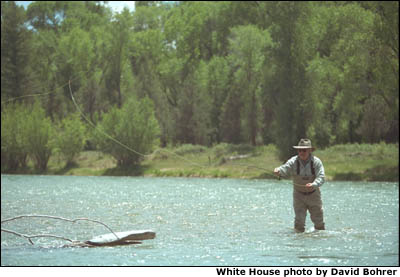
x=111, y=239
x=128, y=237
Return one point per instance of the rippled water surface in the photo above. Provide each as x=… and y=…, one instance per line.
x=198, y=222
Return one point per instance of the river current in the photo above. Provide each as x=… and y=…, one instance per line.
x=198, y=222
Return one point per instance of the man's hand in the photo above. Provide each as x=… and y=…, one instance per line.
x=309, y=185
x=276, y=172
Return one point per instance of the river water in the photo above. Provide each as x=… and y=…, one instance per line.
x=198, y=222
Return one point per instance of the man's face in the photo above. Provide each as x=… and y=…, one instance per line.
x=304, y=153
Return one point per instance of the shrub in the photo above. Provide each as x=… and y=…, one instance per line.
x=40, y=137
x=233, y=149
x=71, y=137
x=185, y=149
x=14, y=148
x=128, y=133
x=221, y=150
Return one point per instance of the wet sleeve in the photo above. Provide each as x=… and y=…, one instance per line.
x=319, y=173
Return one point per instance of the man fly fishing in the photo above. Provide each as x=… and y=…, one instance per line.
x=308, y=174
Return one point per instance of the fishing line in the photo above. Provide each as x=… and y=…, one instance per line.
x=266, y=171
x=120, y=143
x=148, y=155
x=56, y=90
x=79, y=75
x=100, y=131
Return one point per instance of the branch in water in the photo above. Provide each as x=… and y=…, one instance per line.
x=35, y=236
x=52, y=217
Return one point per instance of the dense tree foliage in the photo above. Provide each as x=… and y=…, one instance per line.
x=133, y=129
x=71, y=137
x=237, y=72
x=14, y=139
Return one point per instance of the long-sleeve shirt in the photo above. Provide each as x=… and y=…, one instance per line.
x=290, y=168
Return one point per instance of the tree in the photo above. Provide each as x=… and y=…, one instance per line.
x=14, y=137
x=230, y=71
x=149, y=65
x=129, y=133
x=247, y=48
x=217, y=89
x=71, y=137
x=289, y=82
x=40, y=137
x=68, y=43
x=117, y=48
x=187, y=32
x=340, y=73
x=46, y=15
x=374, y=126
x=384, y=67
x=15, y=52
x=230, y=118
x=45, y=45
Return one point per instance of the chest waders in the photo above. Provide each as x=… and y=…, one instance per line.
x=306, y=198
x=300, y=182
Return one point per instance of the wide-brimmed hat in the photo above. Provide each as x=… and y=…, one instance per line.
x=304, y=144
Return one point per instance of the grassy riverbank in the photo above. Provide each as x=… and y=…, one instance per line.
x=355, y=162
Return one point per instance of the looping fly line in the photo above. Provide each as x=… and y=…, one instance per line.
x=120, y=143
x=107, y=135
x=45, y=93
x=100, y=131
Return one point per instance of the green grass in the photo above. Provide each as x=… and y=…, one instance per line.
x=213, y=162
x=354, y=162
x=369, y=162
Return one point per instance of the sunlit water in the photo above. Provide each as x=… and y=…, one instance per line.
x=210, y=222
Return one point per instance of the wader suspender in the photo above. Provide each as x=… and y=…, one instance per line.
x=298, y=167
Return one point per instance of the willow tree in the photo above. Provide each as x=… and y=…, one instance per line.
x=247, y=55
x=16, y=72
x=340, y=74
x=128, y=133
x=289, y=81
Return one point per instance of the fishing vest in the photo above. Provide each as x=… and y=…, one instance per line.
x=299, y=182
